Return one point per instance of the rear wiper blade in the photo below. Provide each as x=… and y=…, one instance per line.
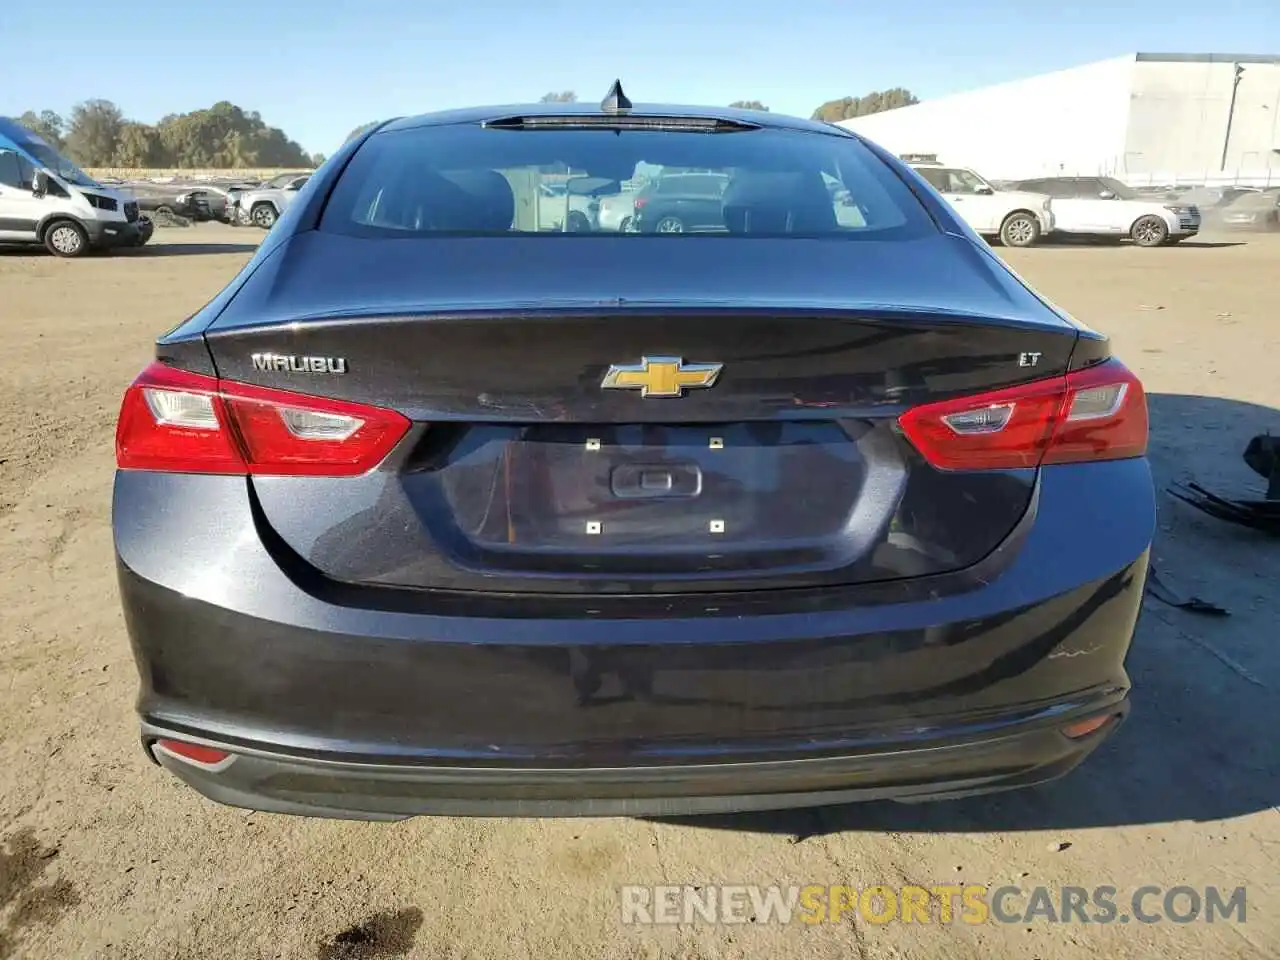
x=590, y=121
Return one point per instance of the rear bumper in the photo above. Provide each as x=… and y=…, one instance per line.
x=338, y=705
x=1029, y=751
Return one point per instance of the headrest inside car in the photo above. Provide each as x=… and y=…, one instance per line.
x=778, y=203
x=491, y=203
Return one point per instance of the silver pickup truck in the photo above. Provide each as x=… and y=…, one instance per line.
x=262, y=207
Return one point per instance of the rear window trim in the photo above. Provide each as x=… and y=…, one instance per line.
x=921, y=219
x=534, y=123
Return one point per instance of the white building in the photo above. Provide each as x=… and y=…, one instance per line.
x=1142, y=117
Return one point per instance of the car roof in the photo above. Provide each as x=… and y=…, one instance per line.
x=762, y=118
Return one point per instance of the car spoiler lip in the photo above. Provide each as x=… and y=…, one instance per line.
x=318, y=275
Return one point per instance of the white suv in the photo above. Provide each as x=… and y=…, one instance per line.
x=1018, y=218
x=1103, y=206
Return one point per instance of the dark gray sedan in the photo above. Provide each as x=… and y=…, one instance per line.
x=436, y=508
x=1253, y=211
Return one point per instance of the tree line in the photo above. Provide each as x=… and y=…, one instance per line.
x=97, y=134
x=877, y=101
x=842, y=108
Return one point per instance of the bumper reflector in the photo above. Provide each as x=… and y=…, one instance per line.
x=1082, y=728
x=194, y=753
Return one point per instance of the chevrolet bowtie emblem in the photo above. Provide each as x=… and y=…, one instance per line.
x=661, y=376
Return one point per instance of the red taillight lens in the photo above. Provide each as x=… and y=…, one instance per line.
x=179, y=422
x=1099, y=413
x=640, y=202
x=1082, y=728
x=208, y=756
x=1104, y=418
x=175, y=421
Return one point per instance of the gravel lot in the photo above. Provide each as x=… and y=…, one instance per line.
x=104, y=855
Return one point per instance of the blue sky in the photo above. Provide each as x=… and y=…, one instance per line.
x=317, y=69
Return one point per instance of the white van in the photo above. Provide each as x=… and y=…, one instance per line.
x=46, y=199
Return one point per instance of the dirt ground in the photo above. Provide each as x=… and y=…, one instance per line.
x=104, y=855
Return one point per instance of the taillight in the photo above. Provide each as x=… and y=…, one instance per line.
x=180, y=422
x=640, y=203
x=1099, y=413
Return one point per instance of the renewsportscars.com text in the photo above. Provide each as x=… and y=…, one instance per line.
x=944, y=904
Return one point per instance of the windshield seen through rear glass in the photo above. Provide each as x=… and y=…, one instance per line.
x=472, y=179
x=54, y=161
x=1122, y=191
x=953, y=180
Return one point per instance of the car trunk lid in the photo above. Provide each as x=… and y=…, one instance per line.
x=528, y=470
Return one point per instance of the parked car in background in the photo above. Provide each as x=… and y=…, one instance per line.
x=1253, y=211
x=236, y=214
x=264, y=205
x=680, y=203
x=163, y=201
x=559, y=209
x=1105, y=207
x=1019, y=218
x=201, y=201
x=281, y=180
x=616, y=211
x=1209, y=198
x=1212, y=202
x=211, y=199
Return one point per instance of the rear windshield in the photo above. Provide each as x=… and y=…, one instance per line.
x=474, y=180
